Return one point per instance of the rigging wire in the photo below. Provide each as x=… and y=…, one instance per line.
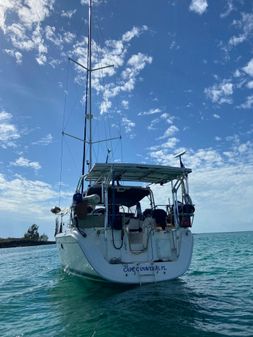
x=63, y=123
x=107, y=130
x=64, y=144
x=85, y=129
x=76, y=99
x=121, y=143
x=101, y=71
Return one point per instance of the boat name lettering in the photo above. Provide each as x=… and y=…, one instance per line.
x=134, y=269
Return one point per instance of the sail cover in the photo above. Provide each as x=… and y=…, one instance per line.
x=156, y=174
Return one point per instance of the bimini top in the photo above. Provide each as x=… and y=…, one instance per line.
x=155, y=174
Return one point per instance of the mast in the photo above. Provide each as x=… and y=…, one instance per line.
x=89, y=67
x=88, y=139
x=88, y=98
x=88, y=105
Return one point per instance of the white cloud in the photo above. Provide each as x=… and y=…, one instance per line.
x=161, y=119
x=248, y=104
x=204, y=158
x=170, y=143
x=28, y=201
x=135, y=31
x=34, y=11
x=58, y=39
x=220, y=93
x=7, y=6
x=128, y=125
x=20, y=196
x=237, y=73
x=153, y=123
x=237, y=152
x=51, y=36
x=44, y=141
x=235, y=40
x=216, y=116
x=8, y=131
x=216, y=192
x=24, y=25
x=125, y=104
x=68, y=37
x=114, y=52
x=230, y=8
x=173, y=45
x=18, y=56
x=217, y=183
x=68, y=14
x=135, y=64
x=249, y=85
x=199, y=6
x=149, y=112
x=54, y=63
x=166, y=116
x=170, y=132
x=41, y=59
x=222, y=193
x=5, y=116
x=162, y=154
x=25, y=29
x=201, y=158
x=249, y=68
x=28, y=41
x=105, y=106
x=24, y=162
x=246, y=27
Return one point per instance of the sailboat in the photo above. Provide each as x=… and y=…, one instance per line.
x=115, y=230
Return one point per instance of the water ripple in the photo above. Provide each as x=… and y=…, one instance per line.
x=214, y=298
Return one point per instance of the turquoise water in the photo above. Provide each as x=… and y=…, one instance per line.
x=214, y=298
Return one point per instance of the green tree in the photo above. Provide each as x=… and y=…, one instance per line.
x=43, y=237
x=32, y=233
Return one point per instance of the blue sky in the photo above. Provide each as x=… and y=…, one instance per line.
x=182, y=80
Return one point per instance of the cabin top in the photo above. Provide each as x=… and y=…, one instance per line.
x=154, y=174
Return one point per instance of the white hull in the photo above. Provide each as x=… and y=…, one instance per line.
x=167, y=255
x=115, y=231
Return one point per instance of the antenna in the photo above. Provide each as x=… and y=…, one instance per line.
x=179, y=155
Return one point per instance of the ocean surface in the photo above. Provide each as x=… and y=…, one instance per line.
x=214, y=298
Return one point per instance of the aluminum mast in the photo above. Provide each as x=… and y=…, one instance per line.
x=89, y=115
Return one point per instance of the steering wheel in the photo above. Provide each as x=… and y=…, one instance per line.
x=98, y=211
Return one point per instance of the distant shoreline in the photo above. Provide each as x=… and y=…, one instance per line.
x=12, y=243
